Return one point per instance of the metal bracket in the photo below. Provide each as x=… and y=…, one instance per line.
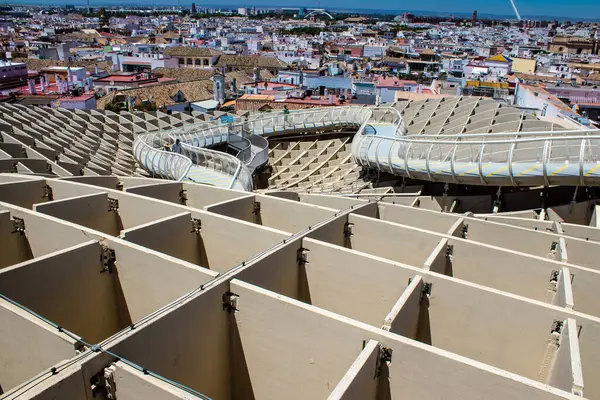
x=113, y=204
x=554, y=275
x=183, y=196
x=110, y=384
x=553, y=247
x=47, y=192
x=385, y=357
x=557, y=327
x=573, y=200
x=107, y=258
x=302, y=256
x=426, y=291
x=348, y=226
x=449, y=250
x=498, y=202
x=18, y=225
x=230, y=301
x=465, y=231
x=256, y=208
x=196, y=226
x=496, y=206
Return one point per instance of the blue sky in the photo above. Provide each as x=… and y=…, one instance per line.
x=588, y=9
x=571, y=8
x=580, y=8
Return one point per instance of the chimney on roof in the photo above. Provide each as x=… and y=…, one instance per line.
x=219, y=87
x=31, y=86
x=256, y=74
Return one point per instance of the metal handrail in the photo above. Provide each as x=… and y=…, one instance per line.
x=422, y=156
x=406, y=156
x=196, y=137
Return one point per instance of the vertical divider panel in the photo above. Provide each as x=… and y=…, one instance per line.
x=403, y=319
x=564, y=290
x=361, y=380
x=567, y=373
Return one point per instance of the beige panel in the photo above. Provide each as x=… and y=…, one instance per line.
x=404, y=317
x=564, y=292
x=425, y=219
x=491, y=266
x=392, y=241
x=585, y=285
x=132, y=384
x=439, y=260
x=240, y=208
x=190, y=344
x=200, y=196
x=168, y=191
x=131, y=181
x=24, y=193
x=172, y=235
x=15, y=248
x=134, y=210
x=228, y=242
x=566, y=371
x=280, y=272
x=471, y=321
x=28, y=346
x=68, y=288
x=579, y=213
x=107, y=181
x=334, y=202
x=285, y=195
x=353, y=284
x=331, y=232
x=291, y=345
x=583, y=253
x=360, y=382
x=152, y=280
x=91, y=211
x=290, y=216
x=45, y=235
x=514, y=238
x=582, y=232
x=68, y=384
x=5, y=178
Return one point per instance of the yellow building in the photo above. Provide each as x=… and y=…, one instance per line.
x=523, y=65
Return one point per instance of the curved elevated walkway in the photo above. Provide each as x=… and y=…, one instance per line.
x=384, y=142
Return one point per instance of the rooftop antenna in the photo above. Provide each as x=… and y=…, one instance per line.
x=515, y=8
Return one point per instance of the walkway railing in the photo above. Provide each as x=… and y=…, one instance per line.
x=149, y=149
x=544, y=158
x=511, y=159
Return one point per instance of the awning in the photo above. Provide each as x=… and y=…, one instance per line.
x=229, y=103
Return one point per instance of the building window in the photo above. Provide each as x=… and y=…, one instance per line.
x=198, y=61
